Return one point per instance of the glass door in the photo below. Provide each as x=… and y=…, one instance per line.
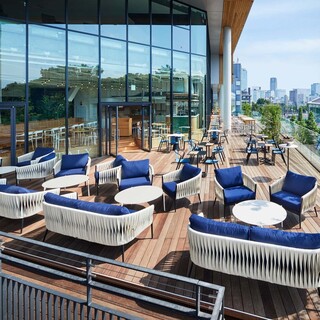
x=147, y=134
x=13, y=132
x=112, y=125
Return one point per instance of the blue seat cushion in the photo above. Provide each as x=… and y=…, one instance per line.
x=237, y=194
x=220, y=228
x=96, y=207
x=70, y=172
x=118, y=160
x=188, y=171
x=47, y=157
x=133, y=169
x=170, y=188
x=73, y=161
x=23, y=163
x=289, y=201
x=14, y=189
x=41, y=151
x=298, y=184
x=299, y=240
x=229, y=177
x=134, y=182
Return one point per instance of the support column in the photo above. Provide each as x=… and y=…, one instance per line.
x=227, y=77
x=221, y=102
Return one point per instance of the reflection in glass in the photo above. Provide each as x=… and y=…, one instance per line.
x=198, y=32
x=181, y=40
x=83, y=16
x=138, y=73
x=12, y=61
x=83, y=73
x=113, y=20
x=14, y=9
x=113, y=70
x=180, y=15
x=138, y=21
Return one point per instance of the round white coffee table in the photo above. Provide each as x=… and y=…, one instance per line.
x=137, y=195
x=66, y=182
x=259, y=212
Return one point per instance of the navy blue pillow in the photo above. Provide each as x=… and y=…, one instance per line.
x=47, y=157
x=188, y=171
x=41, y=151
x=102, y=208
x=61, y=201
x=219, y=228
x=14, y=189
x=283, y=238
x=229, y=177
x=133, y=169
x=74, y=161
x=118, y=160
x=298, y=184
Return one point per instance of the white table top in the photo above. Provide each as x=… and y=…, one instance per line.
x=179, y=135
x=7, y=169
x=259, y=212
x=137, y=195
x=65, y=181
x=214, y=130
x=288, y=146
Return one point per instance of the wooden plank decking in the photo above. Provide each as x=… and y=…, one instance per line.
x=168, y=250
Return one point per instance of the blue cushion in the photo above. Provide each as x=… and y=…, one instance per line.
x=132, y=169
x=228, y=229
x=14, y=189
x=118, y=160
x=170, y=188
x=96, y=176
x=96, y=207
x=237, y=194
x=23, y=163
x=297, y=183
x=47, y=157
x=70, y=172
x=284, y=238
x=72, y=161
x=134, y=182
x=188, y=171
x=229, y=177
x=41, y=151
x=289, y=201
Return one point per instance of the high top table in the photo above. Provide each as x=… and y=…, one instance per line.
x=288, y=146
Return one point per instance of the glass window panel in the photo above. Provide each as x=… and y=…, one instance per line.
x=48, y=12
x=180, y=15
x=138, y=21
x=139, y=72
x=181, y=75
x=83, y=73
x=12, y=61
x=113, y=19
x=161, y=24
x=14, y=9
x=198, y=32
x=198, y=93
x=113, y=70
x=161, y=73
x=83, y=16
x=181, y=40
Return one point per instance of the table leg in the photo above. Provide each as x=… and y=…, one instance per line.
x=288, y=159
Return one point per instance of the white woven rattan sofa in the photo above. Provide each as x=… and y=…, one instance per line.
x=276, y=256
x=102, y=223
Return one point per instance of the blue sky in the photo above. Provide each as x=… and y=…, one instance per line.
x=281, y=39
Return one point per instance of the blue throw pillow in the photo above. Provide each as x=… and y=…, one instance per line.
x=47, y=157
x=298, y=184
x=133, y=169
x=229, y=177
x=41, y=151
x=60, y=201
x=102, y=208
x=14, y=189
x=118, y=160
x=73, y=161
x=188, y=171
x=219, y=228
x=283, y=238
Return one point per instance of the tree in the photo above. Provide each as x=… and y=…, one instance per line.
x=311, y=122
x=300, y=117
x=271, y=119
x=246, y=109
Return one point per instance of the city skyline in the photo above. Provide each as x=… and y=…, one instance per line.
x=281, y=40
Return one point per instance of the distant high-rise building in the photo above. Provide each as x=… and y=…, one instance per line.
x=273, y=84
x=315, y=89
x=299, y=97
x=239, y=84
x=244, y=79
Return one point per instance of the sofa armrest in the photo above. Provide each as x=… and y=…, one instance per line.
x=218, y=190
x=151, y=173
x=57, y=167
x=189, y=187
x=309, y=200
x=3, y=181
x=171, y=176
x=88, y=166
x=109, y=175
x=104, y=166
x=25, y=157
x=276, y=186
x=249, y=182
x=70, y=195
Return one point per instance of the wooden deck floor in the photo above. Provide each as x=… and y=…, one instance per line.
x=168, y=250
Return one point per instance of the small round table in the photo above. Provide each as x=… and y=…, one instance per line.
x=137, y=195
x=259, y=212
x=288, y=146
x=67, y=181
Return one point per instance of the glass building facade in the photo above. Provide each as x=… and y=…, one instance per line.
x=73, y=72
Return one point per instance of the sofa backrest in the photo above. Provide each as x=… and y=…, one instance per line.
x=229, y=177
x=74, y=161
x=133, y=169
x=189, y=171
x=118, y=160
x=48, y=157
x=6, y=188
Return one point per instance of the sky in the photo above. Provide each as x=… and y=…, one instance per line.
x=281, y=38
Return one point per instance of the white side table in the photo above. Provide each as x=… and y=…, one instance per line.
x=288, y=146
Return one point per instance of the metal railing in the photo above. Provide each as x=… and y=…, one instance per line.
x=23, y=298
